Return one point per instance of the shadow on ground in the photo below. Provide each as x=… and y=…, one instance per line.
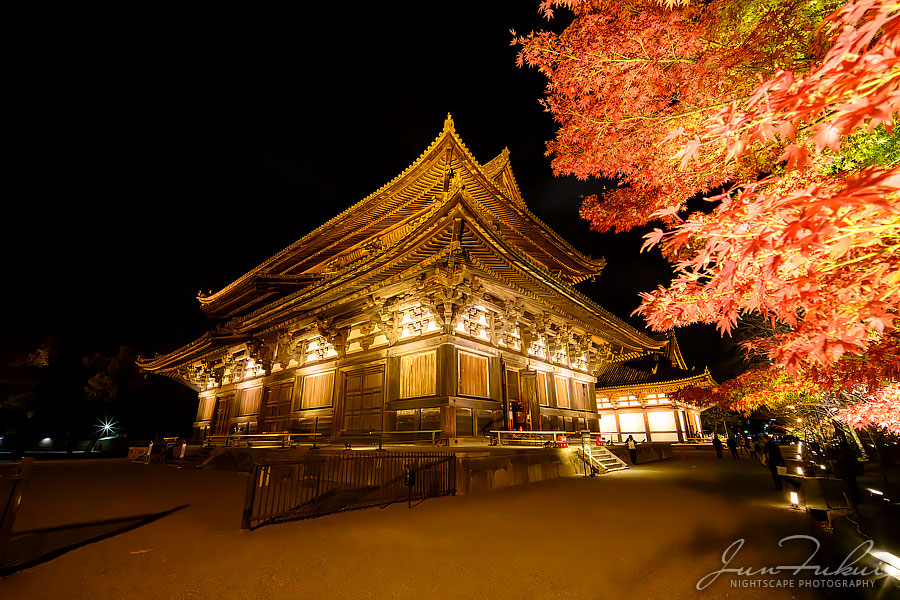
x=29, y=548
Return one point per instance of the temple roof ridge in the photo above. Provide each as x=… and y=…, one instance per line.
x=575, y=265
x=448, y=123
x=494, y=169
x=502, y=161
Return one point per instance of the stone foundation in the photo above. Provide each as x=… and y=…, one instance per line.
x=480, y=471
x=648, y=452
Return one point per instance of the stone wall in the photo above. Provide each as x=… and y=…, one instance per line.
x=647, y=452
x=485, y=470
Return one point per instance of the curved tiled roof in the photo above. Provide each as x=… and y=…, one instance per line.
x=403, y=196
x=647, y=370
x=403, y=227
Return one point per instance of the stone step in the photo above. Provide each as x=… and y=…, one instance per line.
x=603, y=460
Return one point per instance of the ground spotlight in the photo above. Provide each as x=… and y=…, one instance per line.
x=891, y=563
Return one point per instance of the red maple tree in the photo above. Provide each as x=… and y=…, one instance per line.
x=626, y=73
x=880, y=410
x=817, y=251
x=763, y=96
x=755, y=388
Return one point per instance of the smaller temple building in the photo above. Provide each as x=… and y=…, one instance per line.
x=635, y=397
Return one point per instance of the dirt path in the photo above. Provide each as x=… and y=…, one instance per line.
x=650, y=532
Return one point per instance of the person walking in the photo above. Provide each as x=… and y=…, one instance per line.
x=774, y=459
x=717, y=444
x=732, y=445
x=751, y=448
x=632, y=449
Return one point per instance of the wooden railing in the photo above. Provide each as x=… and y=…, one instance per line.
x=547, y=439
x=263, y=440
x=390, y=437
x=289, y=440
x=697, y=440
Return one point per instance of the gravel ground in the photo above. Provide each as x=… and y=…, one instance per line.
x=650, y=532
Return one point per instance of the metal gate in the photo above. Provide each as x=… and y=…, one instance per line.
x=312, y=487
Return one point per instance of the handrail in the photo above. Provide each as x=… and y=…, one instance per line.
x=593, y=435
x=588, y=458
x=545, y=437
x=434, y=434
x=284, y=438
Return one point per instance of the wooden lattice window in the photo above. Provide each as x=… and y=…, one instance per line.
x=543, y=396
x=317, y=391
x=562, y=392
x=250, y=401
x=205, y=409
x=276, y=409
x=418, y=373
x=364, y=399
x=473, y=375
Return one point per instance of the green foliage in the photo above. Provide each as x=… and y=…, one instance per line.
x=58, y=391
x=873, y=148
x=740, y=20
x=720, y=420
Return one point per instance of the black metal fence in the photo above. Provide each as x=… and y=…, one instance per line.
x=13, y=479
x=316, y=486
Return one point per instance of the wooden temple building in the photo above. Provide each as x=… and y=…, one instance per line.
x=437, y=303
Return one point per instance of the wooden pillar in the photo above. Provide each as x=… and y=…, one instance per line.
x=337, y=403
x=681, y=433
x=391, y=378
x=448, y=421
x=447, y=371
x=497, y=383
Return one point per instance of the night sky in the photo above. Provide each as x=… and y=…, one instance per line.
x=155, y=154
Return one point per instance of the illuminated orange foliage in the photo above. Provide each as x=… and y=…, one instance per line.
x=773, y=388
x=625, y=74
x=820, y=253
x=766, y=386
x=678, y=101
x=881, y=410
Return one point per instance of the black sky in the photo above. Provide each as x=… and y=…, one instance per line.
x=158, y=153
